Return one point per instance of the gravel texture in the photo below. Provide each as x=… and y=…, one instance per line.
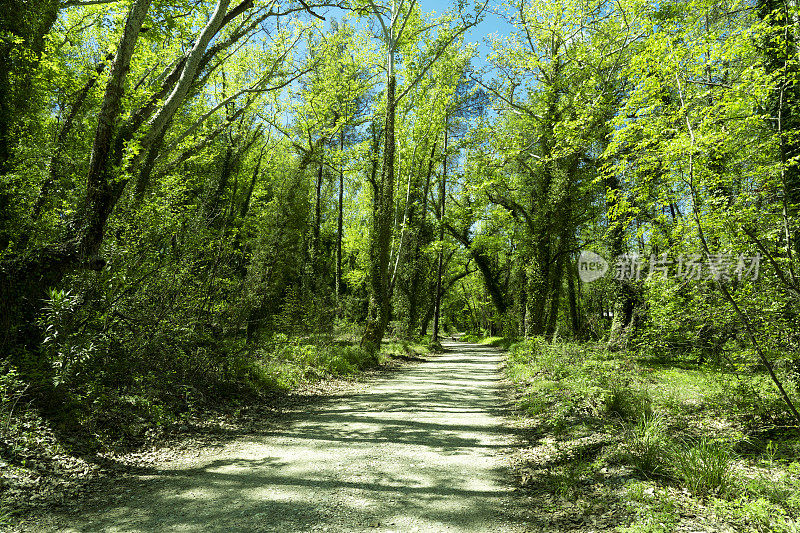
x=422, y=450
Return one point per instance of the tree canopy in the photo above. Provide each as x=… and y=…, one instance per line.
x=189, y=191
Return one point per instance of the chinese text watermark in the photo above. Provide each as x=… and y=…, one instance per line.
x=720, y=267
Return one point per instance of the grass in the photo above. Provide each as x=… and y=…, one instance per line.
x=286, y=364
x=680, y=445
x=652, y=510
x=703, y=467
x=647, y=444
x=497, y=342
x=6, y=516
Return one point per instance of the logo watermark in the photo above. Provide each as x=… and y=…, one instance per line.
x=720, y=267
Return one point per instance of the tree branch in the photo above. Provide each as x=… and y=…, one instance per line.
x=305, y=6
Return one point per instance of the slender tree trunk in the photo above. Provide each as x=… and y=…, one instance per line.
x=780, y=56
x=574, y=316
x=476, y=323
x=429, y=308
x=522, y=304
x=212, y=209
x=418, y=274
x=437, y=310
x=624, y=295
x=317, y=216
x=249, y=196
x=340, y=223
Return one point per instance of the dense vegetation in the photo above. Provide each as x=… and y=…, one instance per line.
x=627, y=439
x=211, y=201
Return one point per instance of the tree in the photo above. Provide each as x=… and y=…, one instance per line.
x=400, y=25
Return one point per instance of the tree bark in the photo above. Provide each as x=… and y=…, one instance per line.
x=437, y=309
x=380, y=245
x=160, y=121
x=340, y=222
x=574, y=316
x=555, y=296
x=315, y=244
x=418, y=274
x=99, y=195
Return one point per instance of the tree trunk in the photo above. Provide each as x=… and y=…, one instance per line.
x=99, y=200
x=574, y=315
x=555, y=296
x=780, y=56
x=212, y=209
x=340, y=223
x=437, y=310
x=315, y=255
x=419, y=273
x=380, y=242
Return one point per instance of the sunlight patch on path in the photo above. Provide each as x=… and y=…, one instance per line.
x=421, y=450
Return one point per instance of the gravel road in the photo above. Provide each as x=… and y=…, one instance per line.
x=420, y=450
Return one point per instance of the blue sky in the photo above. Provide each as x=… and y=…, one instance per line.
x=492, y=23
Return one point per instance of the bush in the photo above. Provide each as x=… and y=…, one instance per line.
x=284, y=364
x=11, y=392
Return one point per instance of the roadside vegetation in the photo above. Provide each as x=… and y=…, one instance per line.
x=636, y=442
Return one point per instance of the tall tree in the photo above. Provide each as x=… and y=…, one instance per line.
x=400, y=25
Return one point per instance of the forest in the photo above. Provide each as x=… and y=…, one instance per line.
x=207, y=204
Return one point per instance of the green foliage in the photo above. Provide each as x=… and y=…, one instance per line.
x=656, y=420
x=622, y=127
x=703, y=466
x=764, y=503
x=647, y=444
x=6, y=516
x=12, y=389
x=498, y=342
x=620, y=397
x=66, y=349
x=560, y=380
x=653, y=510
x=757, y=515
x=566, y=480
x=288, y=363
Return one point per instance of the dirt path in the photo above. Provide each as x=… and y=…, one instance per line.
x=422, y=450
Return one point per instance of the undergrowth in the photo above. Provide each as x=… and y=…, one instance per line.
x=682, y=440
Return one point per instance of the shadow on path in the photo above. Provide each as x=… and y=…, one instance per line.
x=420, y=451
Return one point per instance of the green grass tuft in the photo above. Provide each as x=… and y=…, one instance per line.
x=703, y=466
x=647, y=443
